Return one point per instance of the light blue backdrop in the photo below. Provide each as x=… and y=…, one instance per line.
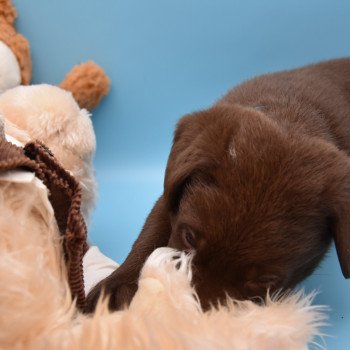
x=167, y=58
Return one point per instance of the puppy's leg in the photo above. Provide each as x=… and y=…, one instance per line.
x=121, y=285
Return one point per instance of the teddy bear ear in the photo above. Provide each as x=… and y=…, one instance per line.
x=88, y=83
x=7, y=11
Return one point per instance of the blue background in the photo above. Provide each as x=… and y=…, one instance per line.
x=167, y=58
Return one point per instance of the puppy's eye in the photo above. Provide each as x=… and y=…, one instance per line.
x=189, y=238
x=262, y=283
x=268, y=280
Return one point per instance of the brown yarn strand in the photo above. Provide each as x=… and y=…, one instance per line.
x=65, y=197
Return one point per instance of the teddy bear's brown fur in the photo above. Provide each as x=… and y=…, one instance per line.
x=88, y=84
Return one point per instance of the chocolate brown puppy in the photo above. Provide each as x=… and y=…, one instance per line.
x=257, y=186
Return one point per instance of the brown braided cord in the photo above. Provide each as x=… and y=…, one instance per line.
x=65, y=197
x=12, y=157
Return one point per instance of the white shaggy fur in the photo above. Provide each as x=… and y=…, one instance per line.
x=36, y=310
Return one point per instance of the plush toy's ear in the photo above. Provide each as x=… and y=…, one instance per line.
x=88, y=83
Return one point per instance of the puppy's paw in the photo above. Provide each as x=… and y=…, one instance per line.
x=118, y=292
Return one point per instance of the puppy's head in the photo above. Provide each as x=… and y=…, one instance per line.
x=258, y=205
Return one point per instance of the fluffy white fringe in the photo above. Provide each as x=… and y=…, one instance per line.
x=36, y=310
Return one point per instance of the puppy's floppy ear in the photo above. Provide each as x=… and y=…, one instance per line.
x=340, y=226
x=199, y=141
x=342, y=240
x=339, y=200
x=188, y=158
x=182, y=169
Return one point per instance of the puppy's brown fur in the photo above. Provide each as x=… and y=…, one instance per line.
x=258, y=185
